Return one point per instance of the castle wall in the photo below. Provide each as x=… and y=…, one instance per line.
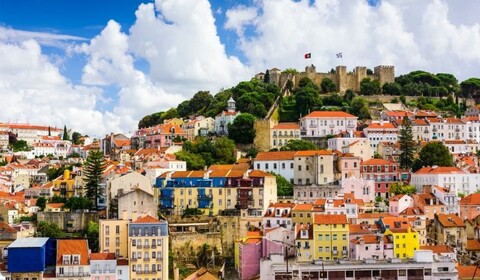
x=262, y=134
x=69, y=221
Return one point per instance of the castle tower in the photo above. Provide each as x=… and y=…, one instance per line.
x=360, y=74
x=341, y=78
x=231, y=105
x=384, y=74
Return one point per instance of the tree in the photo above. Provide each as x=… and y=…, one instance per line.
x=194, y=161
x=359, y=108
x=41, y=203
x=65, y=133
x=49, y=131
x=76, y=138
x=369, y=87
x=225, y=151
x=93, y=236
x=401, y=188
x=93, y=170
x=78, y=203
x=57, y=199
x=299, y=145
x=20, y=145
x=327, y=85
x=470, y=87
x=52, y=230
x=407, y=145
x=392, y=89
x=434, y=153
x=306, y=99
x=241, y=130
x=284, y=187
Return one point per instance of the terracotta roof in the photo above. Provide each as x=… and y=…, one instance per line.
x=259, y=173
x=102, y=256
x=55, y=205
x=471, y=199
x=303, y=207
x=72, y=247
x=313, y=153
x=122, y=143
x=370, y=239
x=473, y=245
x=450, y=220
x=440, y=170
x=235, y=174
x=146, y=220
x=326, y=219
x=287, y=125
x=329, y=114
x=373, y=215
x=437, y=249
x=202, y=274
x=122, y=262
x=385, y=125
x=4, y=227
x=466, y=272
x=397, y=113
x=377, y=161
x=281, y=155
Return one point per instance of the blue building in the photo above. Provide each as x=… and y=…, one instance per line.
x=30, y=256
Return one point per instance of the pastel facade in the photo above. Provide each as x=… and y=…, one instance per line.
x=323, y=123
x=200, y=126
x=405, y=241
x=383, y=172
x=449, y=229
x=281, y=133
x=225, y=118
x=369, y=246
x=330, y=233
x=470, y=206
x=278, y=215
x=360, y=188
x=213, y=191
x=113, y=237
x=73, y=260
x=103, y=266
x=381, y=131
x=399, y=203
x=148, y=248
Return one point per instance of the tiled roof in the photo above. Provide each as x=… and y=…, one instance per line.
x=55, y=205
x=259, y=173
x=376, y=161
x=385, y=125
x=313, y=153
x=327, y=219
x=471, y=199
x=147, y=219
x=329, y=114
x=202, y=274
x=303, y=207
x=440, y=170
x=397, y=113
x=437, y=249
x=466, y=272
x=287, y=125
x=122, y=262
x=102, y=256
x=281, y=155
x=370, y=239
x=473, y=245
x=4, y=227
x=450, y=220
x=72, y=247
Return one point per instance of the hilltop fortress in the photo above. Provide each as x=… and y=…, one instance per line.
x=343, y=79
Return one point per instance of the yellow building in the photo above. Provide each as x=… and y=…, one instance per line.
x=114, y=237
x=405, y=241
x=302, y=214
x=330, y=235
x=64, y=186
x=304, y=239
x=148, y=247
x=213, y=191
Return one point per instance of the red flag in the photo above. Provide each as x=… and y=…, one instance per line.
x=308, y=55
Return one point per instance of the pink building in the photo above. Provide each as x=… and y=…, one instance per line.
x=399, y=203
x=470, y=206
x=377, y=246
x=361, y=188
x=383, y=172
x=249, y=255
x=103, y=266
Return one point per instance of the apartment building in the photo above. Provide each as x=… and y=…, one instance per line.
x=323, y=123
x=148, y=247
x=113, y=237
x=330, y=233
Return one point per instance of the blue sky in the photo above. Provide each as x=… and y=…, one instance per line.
x=99, y=66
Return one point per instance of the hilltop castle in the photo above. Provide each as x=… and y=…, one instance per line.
x=343, y=79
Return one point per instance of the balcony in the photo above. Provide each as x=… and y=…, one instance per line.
x=154, y=246
x=335, y=252
x=146, y=259
x=139, y=246
x=146, y=246
x=74, y=274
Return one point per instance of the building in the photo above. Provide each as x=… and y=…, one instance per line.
x=360, y=188
x=330, y=233
x=383, y=172
x=324, y=123
x=103, y=266
x=213, y=191
x=380, y=132
x=452, y=178
x=137, y=201
x=225, y=118
x=65, y=186
x=424, y=265
x=249, y=251
x=73, y=259
x=29, y=257
x=284, y=132
x=278, y=215
x=277, y=162
x=399, y=203
x=113, y=237
x=470, y=206
x=405, y=241
x=368, y=246
x=304, y=242
x=449, y=229
x=148, y=247
x=200, y=126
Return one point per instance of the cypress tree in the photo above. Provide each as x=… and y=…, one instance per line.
x=65, y=133
x=407, y=144
x=93, y=170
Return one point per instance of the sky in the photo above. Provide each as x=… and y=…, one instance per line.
x=100, y=66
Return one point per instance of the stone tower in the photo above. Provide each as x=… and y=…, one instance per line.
x=384, y=74
x=360, y=74
x=341, y=78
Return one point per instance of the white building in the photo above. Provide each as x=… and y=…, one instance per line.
x=225, y=118
x=399, y=203
x=381, y=131
x=452, y=178
x=277, y=162
x=323, y=123
x=200, y=126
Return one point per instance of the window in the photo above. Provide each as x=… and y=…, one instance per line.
x=117, y=229
x=334, y=236
x=299, y=168
x=274, y=166
x=291, y=165
x=107, y=230
x=320, y=237
x=283, y=165
x=266, y=165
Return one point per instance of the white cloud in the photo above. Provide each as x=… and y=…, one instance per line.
x=44, y=38
x=408, y=34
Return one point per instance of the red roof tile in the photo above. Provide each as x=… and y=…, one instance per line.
x=327, y=219
x=72, y=247
x=102, y=256
x=329, y=114
x=146, y=220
